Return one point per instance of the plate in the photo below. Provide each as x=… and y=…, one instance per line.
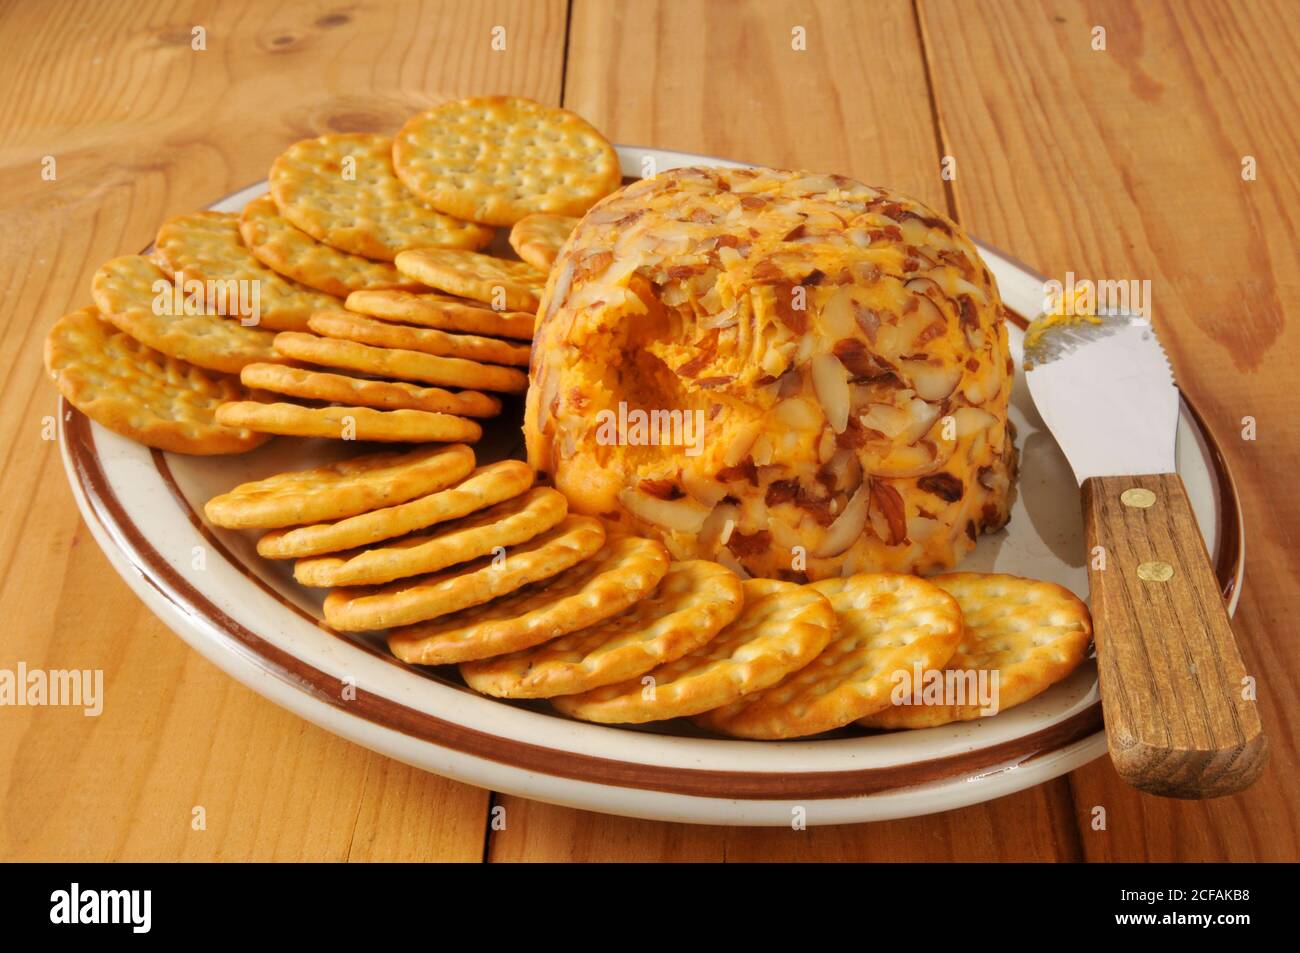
x=245, y=614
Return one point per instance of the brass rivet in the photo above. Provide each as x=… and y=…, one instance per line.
x=1155, y=571
x=1137, y=496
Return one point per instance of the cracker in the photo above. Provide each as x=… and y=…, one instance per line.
x=341, y=189
x=781, y=629
x=137, y=297
x=538, y=238
x=507, y=523
x=349, y=423
x=481, y=489
x=338, y=490
x=141, y=393
x=401, y=364
x=1033, y=634
x=495, y=159
x=206, y=246
x=495, y=281
x=689, y=606
x=427, y=597
x=471, y=347
x=888, y=622
x=288, y=250
x=446, y=312
x=625, y=570
x=359, y=392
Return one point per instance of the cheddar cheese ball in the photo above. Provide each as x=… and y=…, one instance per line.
x=796, y=374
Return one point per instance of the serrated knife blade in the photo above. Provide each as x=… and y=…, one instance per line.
x=1177, y=720
x=1107, y=393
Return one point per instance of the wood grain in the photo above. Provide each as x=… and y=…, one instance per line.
x=142, y=127
x=1180, y=720
x=1035, y=825
x=1127, y=163
x=722, y=79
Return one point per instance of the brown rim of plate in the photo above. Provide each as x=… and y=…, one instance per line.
x=696, y=782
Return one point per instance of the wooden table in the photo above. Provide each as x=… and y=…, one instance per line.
x=1125, y=162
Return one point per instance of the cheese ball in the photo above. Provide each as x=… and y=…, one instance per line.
x=793, y=374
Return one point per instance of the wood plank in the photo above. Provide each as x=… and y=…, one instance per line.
x=1034, y=825
x=722, y=79
x=1127, y=163
x=142, y=127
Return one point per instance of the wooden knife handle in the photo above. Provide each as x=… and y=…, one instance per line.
x=1180, y=719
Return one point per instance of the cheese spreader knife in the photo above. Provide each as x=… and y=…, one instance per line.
x=1180, y=718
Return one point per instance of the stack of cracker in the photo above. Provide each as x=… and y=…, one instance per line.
x=477, y=567
x=370, y=257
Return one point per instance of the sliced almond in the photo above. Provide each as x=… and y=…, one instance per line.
x=848, y=526
x=930, y=381
x=983, y=384
x=921, y=417
x=831, y=384
x=702, y=487
x=725, y=558
x=971, y=420
x=885, y=418
x=888, y=504
x=718, y=526
x=837, y=317
x=798, y=413
x=679, y=516
x=738, y=449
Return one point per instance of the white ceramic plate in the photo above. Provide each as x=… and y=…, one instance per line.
x=246, y=615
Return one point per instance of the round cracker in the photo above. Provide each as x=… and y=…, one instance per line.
x=141, y=393
x=206, y=246
x=341, y=189
x=689, y=606
x=537, y=239
x=289, y=251
x=507, y=523
x=339, y=490
x=495, y=159
x=888, y=622
x=1031, y=633
x=445, y=312
x=479, y=277
x=124, y=292
x=482, y=488
x=624, y=571
x=470, y=347
x=359, y=392
x=349, y=423
x=426, y=597
x=782, y=628
x=401, y=364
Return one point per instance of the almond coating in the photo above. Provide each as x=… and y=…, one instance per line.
x=820, y=367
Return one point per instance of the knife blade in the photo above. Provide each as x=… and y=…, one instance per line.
x=1180, y=714
x=1105, y=389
